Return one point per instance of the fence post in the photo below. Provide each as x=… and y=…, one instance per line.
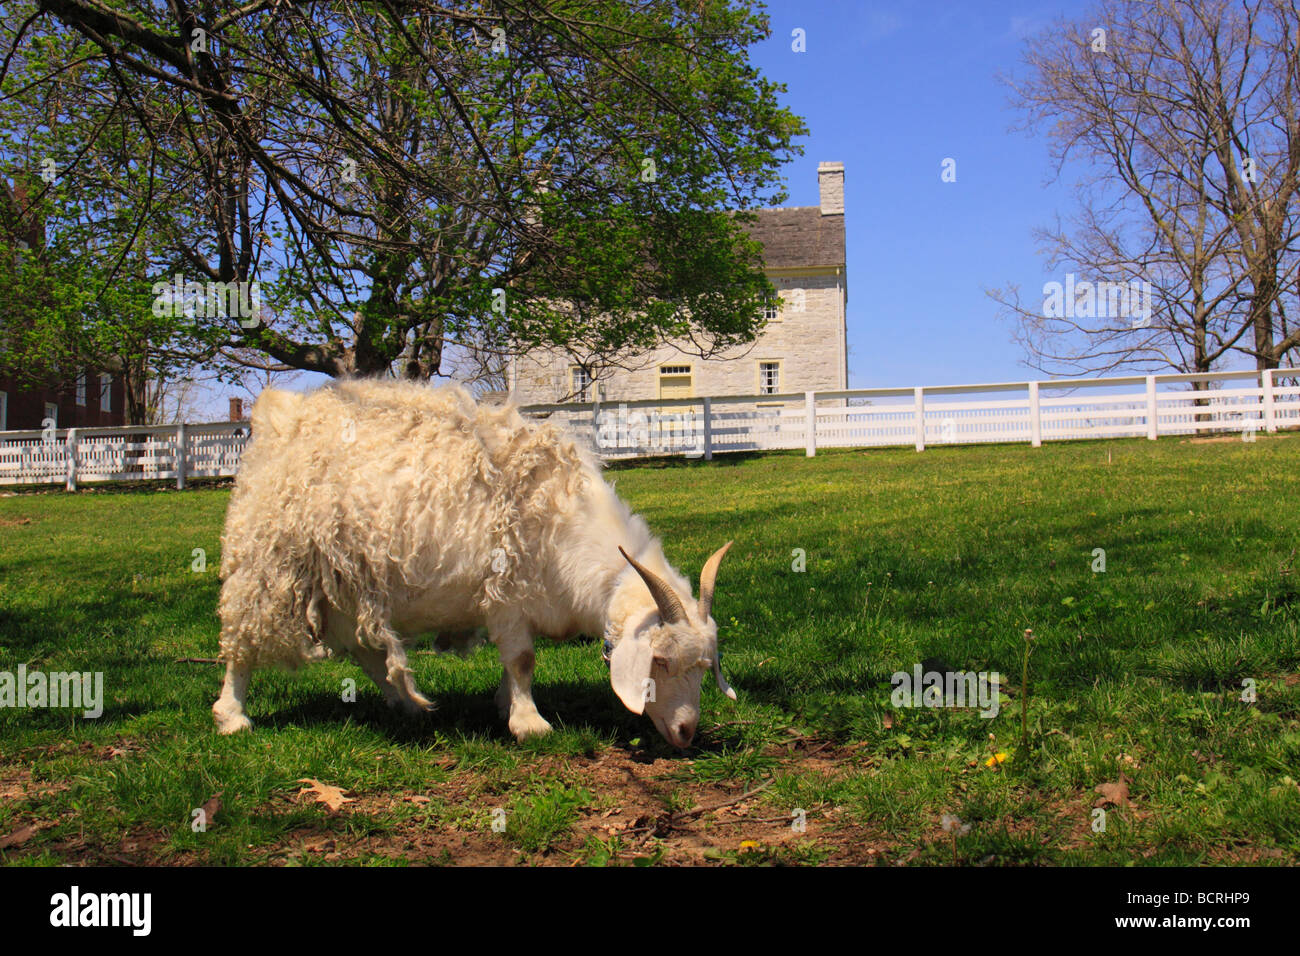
x=180, y=457
x=71, y=455
x=1153, y=417
x=708, y=429
x=1266, y=383
x=1035, y=418
x=920, y=418
x=810, y=406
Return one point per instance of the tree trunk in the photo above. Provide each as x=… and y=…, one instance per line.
x=136, y=386
x=1262, y=306
x=1200, y=417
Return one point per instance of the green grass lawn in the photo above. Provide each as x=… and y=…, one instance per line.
x=1136, y=678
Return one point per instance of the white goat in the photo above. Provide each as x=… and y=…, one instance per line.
x=368, y=512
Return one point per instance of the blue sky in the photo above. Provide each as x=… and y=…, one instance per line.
x=891, y=90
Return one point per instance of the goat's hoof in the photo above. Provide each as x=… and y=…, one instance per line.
x=418, y=705
x=530, y=725
x=232, y=723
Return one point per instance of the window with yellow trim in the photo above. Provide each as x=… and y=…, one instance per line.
x=580, y=383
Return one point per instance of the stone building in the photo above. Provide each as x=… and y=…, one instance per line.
x=802, y=348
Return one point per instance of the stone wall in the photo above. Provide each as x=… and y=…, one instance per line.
x=809, y=345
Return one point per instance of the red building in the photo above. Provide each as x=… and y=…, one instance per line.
x=92, y=397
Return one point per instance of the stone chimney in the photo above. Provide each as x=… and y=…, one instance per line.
x=830, y=183
x=236, y=409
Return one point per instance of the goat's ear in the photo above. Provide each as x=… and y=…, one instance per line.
x=629, y=672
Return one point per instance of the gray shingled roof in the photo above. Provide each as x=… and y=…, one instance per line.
x=796, y=236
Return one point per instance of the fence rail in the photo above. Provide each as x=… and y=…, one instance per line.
x=74, y=456
x=1034, y=412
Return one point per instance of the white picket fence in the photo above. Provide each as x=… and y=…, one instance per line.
x=122, y=453
x=1035, y=412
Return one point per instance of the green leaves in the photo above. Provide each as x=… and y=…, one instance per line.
x=381, y=170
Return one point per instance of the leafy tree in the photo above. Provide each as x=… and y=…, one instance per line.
x=69, y=308
x=400, y=176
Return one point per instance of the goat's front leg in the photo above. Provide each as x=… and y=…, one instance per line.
x=515, y=695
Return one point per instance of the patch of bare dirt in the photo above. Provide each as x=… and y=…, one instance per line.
x=1238, y=854
x=642, y=806
x=140, y=846
x=18, y=785
x=1215, y=440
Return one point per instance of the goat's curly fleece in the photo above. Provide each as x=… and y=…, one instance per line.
x=359, y=495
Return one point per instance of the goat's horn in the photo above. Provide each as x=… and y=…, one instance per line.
x=707, y=578
x=669, y=604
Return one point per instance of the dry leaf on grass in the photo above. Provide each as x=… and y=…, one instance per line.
x=1112, y=794
x=120, y=748
x=332, y=797
x=211, y=808
x=418, y=798
x=17, y=838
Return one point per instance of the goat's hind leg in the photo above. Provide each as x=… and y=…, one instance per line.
x=393, y=677
x=228, y=711
x=397, y=673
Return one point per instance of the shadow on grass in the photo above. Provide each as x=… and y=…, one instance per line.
x=720, y=459
x=588, y=709
x=145, y=486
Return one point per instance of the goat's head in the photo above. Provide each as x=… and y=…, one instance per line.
x=656, y=669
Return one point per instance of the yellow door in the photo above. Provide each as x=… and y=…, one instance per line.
x=675, y=386
x=674, y=382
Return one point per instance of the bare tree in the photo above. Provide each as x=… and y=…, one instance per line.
x=483, y=365
x=173, y=401
x=1182, y=118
